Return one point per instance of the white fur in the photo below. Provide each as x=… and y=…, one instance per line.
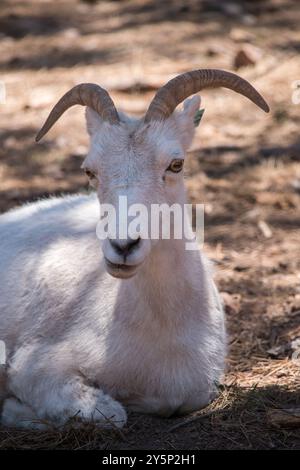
x=81, y=342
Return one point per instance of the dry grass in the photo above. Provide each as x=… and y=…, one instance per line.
x=238, y=419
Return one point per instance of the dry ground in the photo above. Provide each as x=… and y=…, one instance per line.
x=244, y=165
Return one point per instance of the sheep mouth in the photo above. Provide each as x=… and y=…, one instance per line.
x=123, y=271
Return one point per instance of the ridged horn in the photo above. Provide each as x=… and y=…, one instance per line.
x=85, y=94
x=186, y=84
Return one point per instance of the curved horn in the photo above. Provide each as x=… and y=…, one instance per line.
x=186, y=84
x=85, y=94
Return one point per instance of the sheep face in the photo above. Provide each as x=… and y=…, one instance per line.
x=136, y=163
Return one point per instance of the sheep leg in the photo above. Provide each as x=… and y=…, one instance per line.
x=94, y=407
x=16, y=414
x=50, y=391
x=56, y=407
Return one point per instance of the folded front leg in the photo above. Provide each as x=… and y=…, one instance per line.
x=51, y=392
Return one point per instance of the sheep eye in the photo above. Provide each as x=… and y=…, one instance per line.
x=176, y=165
x=89, y=174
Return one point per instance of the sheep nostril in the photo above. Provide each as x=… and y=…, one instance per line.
x=124, y=247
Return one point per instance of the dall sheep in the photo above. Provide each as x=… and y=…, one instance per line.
x=138, y=324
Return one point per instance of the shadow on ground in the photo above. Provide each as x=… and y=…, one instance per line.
x=241, y=418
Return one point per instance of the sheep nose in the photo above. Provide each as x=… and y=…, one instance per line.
x=125, y=247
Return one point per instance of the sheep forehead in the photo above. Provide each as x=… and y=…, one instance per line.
x=137, y=146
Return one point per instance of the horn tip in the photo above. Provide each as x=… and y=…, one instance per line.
x=38, y=137
x=266, y=107
x=263, y=104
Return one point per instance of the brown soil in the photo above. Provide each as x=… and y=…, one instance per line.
x=244, y=165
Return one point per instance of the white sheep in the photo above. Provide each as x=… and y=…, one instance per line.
x=138, y=324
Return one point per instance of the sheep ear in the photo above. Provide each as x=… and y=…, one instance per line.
x=93, y=121
x=186, y=120
x=191, y=106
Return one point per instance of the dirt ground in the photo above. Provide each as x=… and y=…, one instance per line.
x=244, y=165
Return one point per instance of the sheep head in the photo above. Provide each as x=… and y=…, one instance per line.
x=142, y=159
